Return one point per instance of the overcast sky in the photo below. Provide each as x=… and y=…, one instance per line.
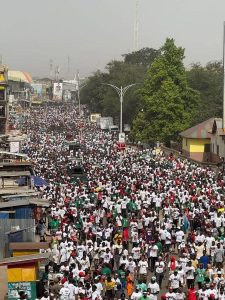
x=93, y=32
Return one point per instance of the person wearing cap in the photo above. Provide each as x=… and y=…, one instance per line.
x=136, y=295
x=153, y=286
x=144, y=296
x=174, y=281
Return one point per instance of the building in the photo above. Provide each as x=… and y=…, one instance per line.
x=196, y=141
x=19, y=86
x=217, y=141
x=3, y=100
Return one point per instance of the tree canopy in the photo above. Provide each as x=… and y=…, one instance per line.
x=168, y=103
x=208, y=81
x=104, y=99
x=167, y=99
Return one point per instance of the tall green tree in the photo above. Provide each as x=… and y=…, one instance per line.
x=208, y=81
x=143, y=57
x=168, y=103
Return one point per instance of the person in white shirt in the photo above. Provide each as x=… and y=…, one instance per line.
x=136, y=295
x=190, y=274
x=136, y=251
x=153, y=253
x=159, y=271
x=143, y=268
x=179, y=236
x=174, y=280
x=170, y=295
x=95, y=294
x=64, y=292
x=131, y=266
x=154, y=288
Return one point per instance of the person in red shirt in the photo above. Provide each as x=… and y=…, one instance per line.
x=192, y=293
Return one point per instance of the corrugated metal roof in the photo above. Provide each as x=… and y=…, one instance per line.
x=13, y=203
x=24, y=258
x=14, y=173
x=25, y=202
x=29, y=246
x=199, y=131
x=19, y=76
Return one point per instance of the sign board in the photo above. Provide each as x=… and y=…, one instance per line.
x=122, y=137
x=94, y=117
x=28, y=287
x=37, y=87
x=15, y=147
x=57, y=91
x=2, y=78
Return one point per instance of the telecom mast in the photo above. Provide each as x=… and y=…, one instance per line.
x=136, y=27
x=51, y=68
x=68, y=67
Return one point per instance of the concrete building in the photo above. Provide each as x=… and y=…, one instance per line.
x=217, y=141
x=196, y=141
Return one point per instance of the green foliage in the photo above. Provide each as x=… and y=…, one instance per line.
x=168, y=104
x=209, y=82
x=143, y=57
x=104, y=99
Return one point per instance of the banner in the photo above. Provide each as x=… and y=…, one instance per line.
x=28, y=287
x=57, y=91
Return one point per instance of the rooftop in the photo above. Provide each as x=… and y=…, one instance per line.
x=199, y=131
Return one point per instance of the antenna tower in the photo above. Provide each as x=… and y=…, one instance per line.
x=136, y=27
x=51, y=68
x=68, y=66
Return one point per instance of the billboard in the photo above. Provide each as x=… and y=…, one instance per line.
x=37, y=87
x=57, y=91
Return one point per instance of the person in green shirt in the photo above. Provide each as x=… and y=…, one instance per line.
x=132, y=206
x=122, y=276
x=54, y=224
x=142, y=286
x=106, y=271
x=200, y=276
x=125, y=222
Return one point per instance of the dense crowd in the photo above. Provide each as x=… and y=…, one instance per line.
x=143, y=225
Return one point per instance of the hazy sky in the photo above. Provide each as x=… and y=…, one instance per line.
x=93, y=32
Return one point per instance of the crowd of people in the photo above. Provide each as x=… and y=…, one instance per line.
x=144, y=225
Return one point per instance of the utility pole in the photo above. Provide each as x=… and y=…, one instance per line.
x=57, y=70
x=121, y=92
x=68, y=67
x=50, y=68
x=224, y=76
x=136, y=27
x=78, y=90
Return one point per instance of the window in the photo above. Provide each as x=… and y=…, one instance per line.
x=207, y=148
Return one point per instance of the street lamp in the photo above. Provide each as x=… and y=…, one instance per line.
x=78, y=90
x=121, y=92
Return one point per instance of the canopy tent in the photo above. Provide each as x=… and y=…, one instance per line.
x=38, y=181
x=19, y=76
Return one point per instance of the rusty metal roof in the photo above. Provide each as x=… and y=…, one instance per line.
x=199, y=131
x=24, y=259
